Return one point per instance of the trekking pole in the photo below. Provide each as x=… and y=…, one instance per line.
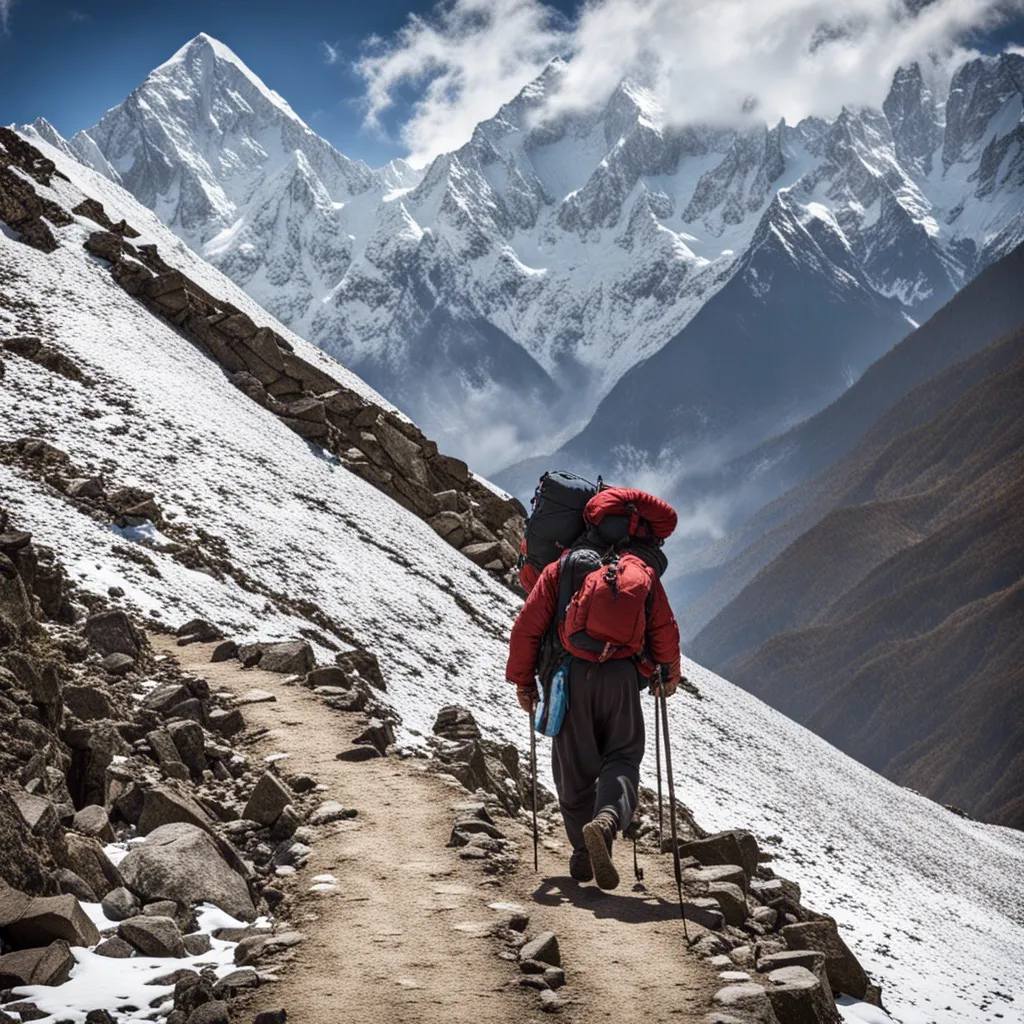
x=663, y=700
x=657, y=759
x=533, y=778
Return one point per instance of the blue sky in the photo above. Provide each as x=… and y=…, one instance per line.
x=70, y=60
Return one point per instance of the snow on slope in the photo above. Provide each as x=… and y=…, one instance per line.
x=930, y=902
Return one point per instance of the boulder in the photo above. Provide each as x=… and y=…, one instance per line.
x=112, y=632
x=120, y=904
x=166, y=753
x=86, y=857
x=713, y=875
x=187, y=737
x=226, y=722
x=810, y=959
x=87, y=703
x=115, y=948
x=153, y=936
x=456, y=723
x=27, y=863
x=328, y=675
x=181, y=862
x=543, y=947
x=845, y=973
x=268, y=799
x=199, y=631
x=40, y=817
x=92, y=820
x=732, y=901
x=50, y=965
x=733, y=847
x=162, y=805
x=294, y=657
x=47, y=918
x=364, y=664
x=224, y=651
x=118, y=664
x=798, y=997
x=482, y=552
x=74, y=885
x=163, y=698
x=214, y=1012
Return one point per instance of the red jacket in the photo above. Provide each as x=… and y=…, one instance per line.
x=538, y=611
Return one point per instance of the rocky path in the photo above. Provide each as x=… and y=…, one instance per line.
x=402, y=935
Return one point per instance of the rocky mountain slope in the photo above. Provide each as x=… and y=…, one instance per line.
x=763, y=489
x=553, y=256
x=271, y=537
x=888, y=624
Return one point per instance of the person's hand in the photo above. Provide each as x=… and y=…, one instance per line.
x=527, y=699
x=669, y=676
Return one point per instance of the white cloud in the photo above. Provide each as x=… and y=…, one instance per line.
x=726, y=60
x=466, y=59
x=5, y=15
x=331, y=53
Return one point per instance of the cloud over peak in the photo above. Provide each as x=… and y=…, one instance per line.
x=725, y=62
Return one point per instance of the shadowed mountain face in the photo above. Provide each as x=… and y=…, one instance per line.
x=763, y=489
x=891, y=626
x=568, y=251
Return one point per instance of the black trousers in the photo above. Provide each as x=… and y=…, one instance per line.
x=595, y=758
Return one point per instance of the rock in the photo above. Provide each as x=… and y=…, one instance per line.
x=267, y=800
x=456, y=723
x=120, y=904
x=357, y=754
x=181, y=862
x=197, y=943
x=543, y=947
x=549, y=1002
x=749, y=1001
x=378, y=735
x=227, y=723
x=87, y=703
x=74, y=885
x=188, y=739
x=118, y=664
x=810, y=959
x=732, y=901
x=93, y=820
x=554, y=976
x=199, y=631
x=40, y=817
x=215, y=1012
x=115, y=947
x=228, y=986
x=482, y=553
x=330, y=811
x=86, y=857
x=50, y=965
x=163, y=698
x=844, y=971
x=153, y=936
x=271, y=1017
x=364, y=664
x=798, y=997
x=84, y=487
x=294, y=657
x=766, y=917
x=733, y=847
x=772, y=889
x=224, y=651
x=166, y=753
x=257, y=696
x=288, y=822
x=712, y=875
x=256, y=947
x=112, y=633
x=163, y=806
x=706, y=912
x=47, y=918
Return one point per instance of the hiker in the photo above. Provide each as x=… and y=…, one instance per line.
x=601, y=604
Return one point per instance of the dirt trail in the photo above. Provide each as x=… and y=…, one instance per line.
x=399, y=939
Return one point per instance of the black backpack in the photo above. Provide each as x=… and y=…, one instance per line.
x=555, y=523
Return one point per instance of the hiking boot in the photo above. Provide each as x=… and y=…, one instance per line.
x=598, y=835
x=579, y=866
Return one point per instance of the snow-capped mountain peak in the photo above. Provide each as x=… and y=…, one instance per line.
x=556, y=252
